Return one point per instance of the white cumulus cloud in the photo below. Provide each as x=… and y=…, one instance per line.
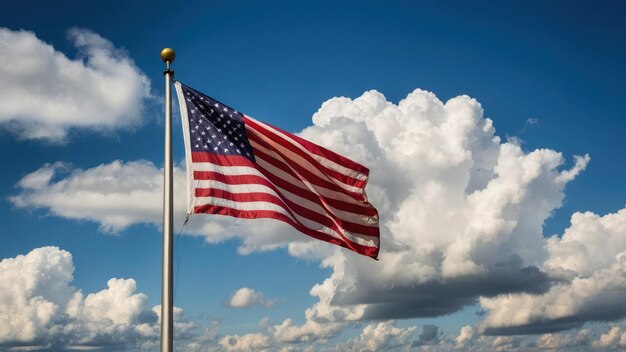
x=39, y=308
x=615, y=338
x=248, y=342
x=246, y=297
x=114, y=195
x=383, y=336
x=589, y=262
x=46, y=94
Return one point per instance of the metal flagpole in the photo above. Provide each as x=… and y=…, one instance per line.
x=167, y=288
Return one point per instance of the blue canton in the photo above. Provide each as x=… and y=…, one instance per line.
x=215, y=127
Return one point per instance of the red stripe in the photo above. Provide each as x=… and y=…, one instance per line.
x=327, y=220
x=236, y=160
x=352, y=207
x=268, y=214
x=348, y=180
x=316, y=149
x=224, y=160
x=286, y=165
x=271, y=179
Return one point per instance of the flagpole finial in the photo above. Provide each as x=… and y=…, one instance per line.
x=168, y=55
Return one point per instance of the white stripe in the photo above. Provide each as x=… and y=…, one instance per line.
x=322, y=160
x=249, y=206
x=307, y=222
x=302, y=184
x=258, y=188
x=304, y=164
x=308, y=186
x=226, y=170
x=298, y=159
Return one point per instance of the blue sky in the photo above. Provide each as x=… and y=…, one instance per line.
x=548, y=76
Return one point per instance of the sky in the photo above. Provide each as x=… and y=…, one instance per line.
x=492, y=130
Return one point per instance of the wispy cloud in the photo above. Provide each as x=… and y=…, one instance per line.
x=46, y=94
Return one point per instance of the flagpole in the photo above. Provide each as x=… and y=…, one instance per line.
x=167, y=288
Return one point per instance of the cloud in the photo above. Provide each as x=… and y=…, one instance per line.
x=383, y=336
x=246, y=297
x=48, y=94
x=589, y=261
x=613, y=339
x=248, y=342
x=465, y=336
x=553, y=342
x=430, y=335
x=40, y=309
x=461, y=212
x=115, y=195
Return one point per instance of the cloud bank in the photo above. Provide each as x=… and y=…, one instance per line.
x=46, y=94
x=40, y=309
x=461, y=222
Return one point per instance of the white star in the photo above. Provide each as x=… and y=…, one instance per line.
x=225, y=150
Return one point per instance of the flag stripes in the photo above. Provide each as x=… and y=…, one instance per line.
x=283, y=176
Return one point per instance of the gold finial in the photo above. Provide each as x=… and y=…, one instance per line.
x=168, y=55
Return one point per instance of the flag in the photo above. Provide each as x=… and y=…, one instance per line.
x=242, y=167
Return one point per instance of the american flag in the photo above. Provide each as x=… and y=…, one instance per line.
x=242, y=167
